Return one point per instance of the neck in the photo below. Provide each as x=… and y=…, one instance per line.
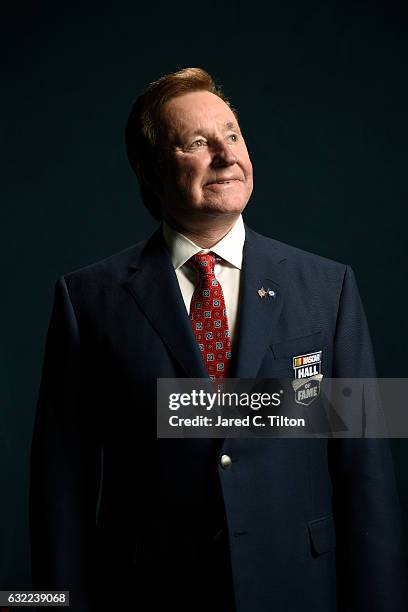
x=207, y=232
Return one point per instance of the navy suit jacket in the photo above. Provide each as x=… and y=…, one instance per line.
x=117, y=515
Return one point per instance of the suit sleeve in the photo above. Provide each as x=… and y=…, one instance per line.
x=65, y=465
x=371, y=566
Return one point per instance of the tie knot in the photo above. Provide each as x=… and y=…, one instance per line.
x=204, y=263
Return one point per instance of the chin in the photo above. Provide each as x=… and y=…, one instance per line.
x=235, y=206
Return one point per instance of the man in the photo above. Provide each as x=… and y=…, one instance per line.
x=126, y=522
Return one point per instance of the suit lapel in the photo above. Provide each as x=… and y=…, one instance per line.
x=258, y=317
x=155, y=288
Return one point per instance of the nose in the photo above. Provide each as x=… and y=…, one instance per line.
x=223, y=155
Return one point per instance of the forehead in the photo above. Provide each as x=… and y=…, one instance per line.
x=195, y=110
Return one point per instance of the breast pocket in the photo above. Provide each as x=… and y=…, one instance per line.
x=299, y=345
x=283, y=352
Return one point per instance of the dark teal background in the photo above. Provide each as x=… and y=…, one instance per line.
x=322, y=95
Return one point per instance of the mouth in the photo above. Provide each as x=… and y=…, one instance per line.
x=222, y=182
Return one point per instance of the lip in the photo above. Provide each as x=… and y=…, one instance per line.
x=223, y=181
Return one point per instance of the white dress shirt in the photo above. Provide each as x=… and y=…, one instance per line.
x=227, y=272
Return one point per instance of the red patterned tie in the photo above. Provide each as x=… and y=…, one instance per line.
x=209, y=318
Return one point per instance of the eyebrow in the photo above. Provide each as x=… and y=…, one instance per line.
x=230, y=125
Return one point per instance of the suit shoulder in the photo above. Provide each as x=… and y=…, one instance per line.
x=300, y=258
x=111, y=268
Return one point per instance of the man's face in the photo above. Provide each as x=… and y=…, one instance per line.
x=206, y=168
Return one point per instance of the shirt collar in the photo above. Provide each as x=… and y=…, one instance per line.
x=229, y=248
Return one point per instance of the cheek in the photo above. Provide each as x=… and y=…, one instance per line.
x=192, y=175
x=247, y=164
x=250, y=170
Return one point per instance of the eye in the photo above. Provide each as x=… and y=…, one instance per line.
x=197, y=144
x=233, y=137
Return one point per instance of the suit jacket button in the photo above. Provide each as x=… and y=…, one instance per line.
x=226, y=461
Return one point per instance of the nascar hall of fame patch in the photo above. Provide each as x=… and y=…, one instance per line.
x=307, y=369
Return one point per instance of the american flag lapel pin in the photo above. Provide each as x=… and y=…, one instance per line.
x=266, y=293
